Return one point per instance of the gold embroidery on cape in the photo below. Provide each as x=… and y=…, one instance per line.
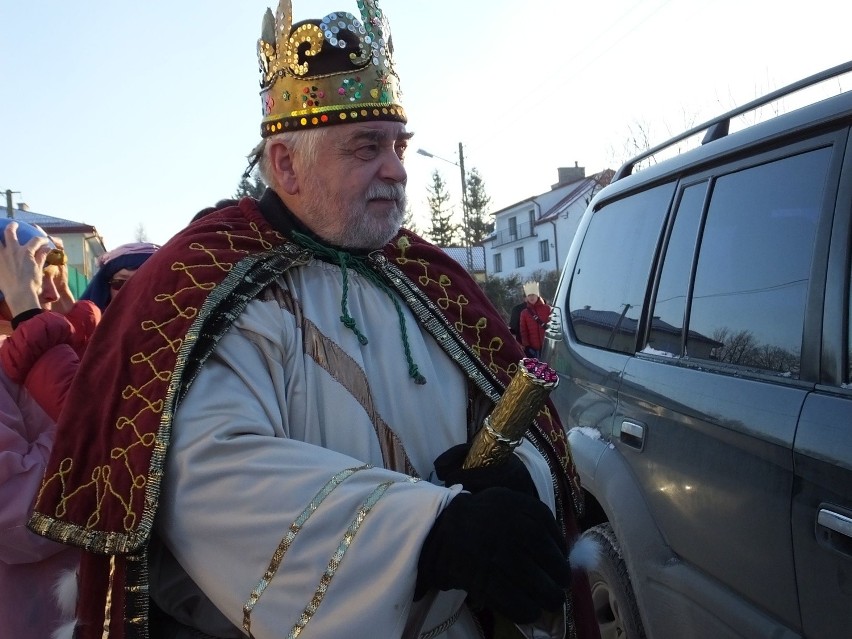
x=456, y=304
x=105, y=486
x=108, y=600
x=459, y=302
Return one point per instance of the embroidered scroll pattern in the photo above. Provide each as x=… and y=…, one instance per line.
x=153, y=368
x=455, y=305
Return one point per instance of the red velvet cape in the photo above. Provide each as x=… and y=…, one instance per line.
x=101, y=487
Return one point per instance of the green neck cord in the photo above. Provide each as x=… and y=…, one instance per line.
x=359, y=264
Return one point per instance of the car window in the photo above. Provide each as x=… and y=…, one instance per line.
x=751, y=280
x=666, y=336
x=610, y=278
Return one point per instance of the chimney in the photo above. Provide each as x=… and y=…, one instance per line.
x=23, y=206
x=569, y=174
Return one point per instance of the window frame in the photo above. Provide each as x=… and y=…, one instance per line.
x=812, y=349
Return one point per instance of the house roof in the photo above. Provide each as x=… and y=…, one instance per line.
x=50, y=223
x=617, y=322
x=579, y=191
x=571, y=192
x=459, y=254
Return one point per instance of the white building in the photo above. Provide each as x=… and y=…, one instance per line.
x=535, y=234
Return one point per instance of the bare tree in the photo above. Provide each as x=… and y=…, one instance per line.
x=738, y=348
x=642, y=135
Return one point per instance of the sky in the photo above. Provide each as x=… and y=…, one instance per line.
x=132, y=117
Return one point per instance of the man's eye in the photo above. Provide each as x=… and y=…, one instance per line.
x=367, y=152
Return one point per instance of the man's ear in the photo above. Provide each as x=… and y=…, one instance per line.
x=283, y=168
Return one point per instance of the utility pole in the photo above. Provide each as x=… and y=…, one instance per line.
x=465, y=218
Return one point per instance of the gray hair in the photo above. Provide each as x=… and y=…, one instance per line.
x=305, y=142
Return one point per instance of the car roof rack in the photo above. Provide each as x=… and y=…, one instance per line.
x=719, y=126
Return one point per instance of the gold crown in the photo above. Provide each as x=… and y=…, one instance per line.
x=330, y=71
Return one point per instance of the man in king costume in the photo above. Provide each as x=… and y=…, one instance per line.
x=253, y=437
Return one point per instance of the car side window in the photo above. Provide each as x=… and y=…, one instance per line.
x=751, y=281
x=609, y=282
x=666, y=336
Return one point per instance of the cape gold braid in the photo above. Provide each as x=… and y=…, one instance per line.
x=122, y=482
x=498, y=348
x=195, y=276
x=211, y=271
x=443, y=282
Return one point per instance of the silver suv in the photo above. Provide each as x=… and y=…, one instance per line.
x=702, y=331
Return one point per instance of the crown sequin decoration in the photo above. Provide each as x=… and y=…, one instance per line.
x=330, y=71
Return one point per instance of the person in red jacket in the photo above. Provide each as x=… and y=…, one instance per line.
x=44, y=333
x=533, y=320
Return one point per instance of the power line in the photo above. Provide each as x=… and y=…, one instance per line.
x=575, y=71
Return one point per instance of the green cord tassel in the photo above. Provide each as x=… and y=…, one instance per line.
x=358, y=264
x=346, y=318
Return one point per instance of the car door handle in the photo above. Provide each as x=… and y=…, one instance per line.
x=835, y=522
x=633, y=434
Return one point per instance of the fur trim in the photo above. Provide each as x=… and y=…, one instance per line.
x=65, y=594
x=584, y=554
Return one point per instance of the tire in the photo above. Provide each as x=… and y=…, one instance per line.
x=612, y=594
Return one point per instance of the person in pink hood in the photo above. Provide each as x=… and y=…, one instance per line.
x=115, y=268
x=44, y=332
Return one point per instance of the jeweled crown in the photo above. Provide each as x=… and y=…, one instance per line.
x=330, y=71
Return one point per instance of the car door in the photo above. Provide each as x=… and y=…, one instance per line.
x=822, y=501
x=709, y=409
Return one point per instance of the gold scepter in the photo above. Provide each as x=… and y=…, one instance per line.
x=503, y=430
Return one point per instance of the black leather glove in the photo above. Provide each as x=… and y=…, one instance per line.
x=510, y=474
x=503, y=547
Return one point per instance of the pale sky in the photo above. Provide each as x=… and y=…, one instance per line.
x=118, y=114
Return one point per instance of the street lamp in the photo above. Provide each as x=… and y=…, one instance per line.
x=465, y=222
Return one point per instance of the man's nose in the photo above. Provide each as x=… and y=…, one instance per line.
x=393, y=169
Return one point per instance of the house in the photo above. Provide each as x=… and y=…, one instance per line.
x=83, y=244
x=536, y=233
x=477, y=258
x=618, y=332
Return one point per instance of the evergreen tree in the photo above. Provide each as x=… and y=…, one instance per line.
x=408, y=220
x=250, y=185
x=477, y=208
x=141, y=234
x=441, y=230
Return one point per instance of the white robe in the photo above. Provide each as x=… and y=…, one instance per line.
x=267, y=461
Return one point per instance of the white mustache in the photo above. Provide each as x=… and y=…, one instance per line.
x=382, y=191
